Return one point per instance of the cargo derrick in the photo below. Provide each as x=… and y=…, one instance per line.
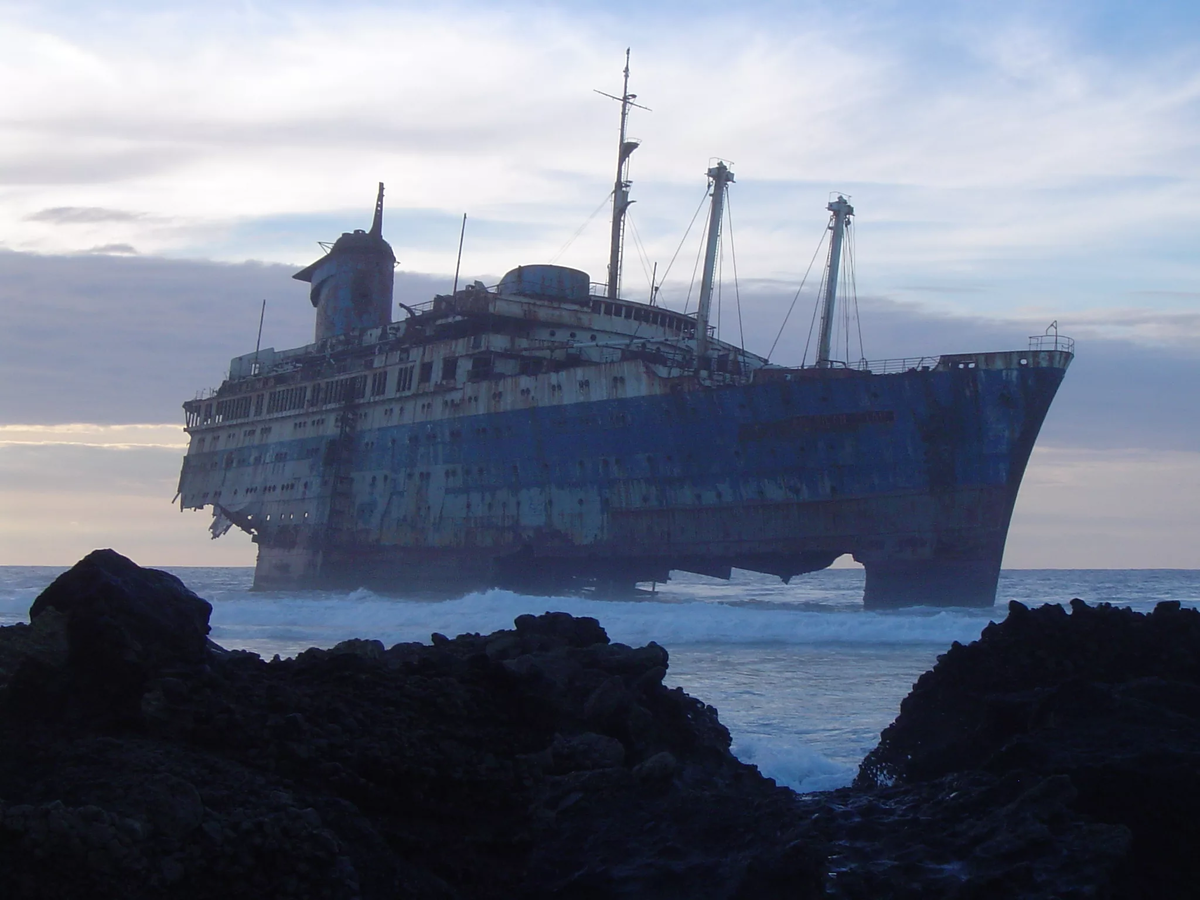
x=546, y=435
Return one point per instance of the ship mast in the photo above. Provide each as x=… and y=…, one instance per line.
x=842, y=211
x=721, y=176
x=377, y=222
x=621, y=201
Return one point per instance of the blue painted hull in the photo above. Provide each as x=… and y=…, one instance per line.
x=915, y=474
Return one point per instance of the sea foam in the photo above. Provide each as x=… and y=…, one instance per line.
x=281, y=623
x=793, y=764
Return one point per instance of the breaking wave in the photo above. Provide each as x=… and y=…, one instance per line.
x=804, y=678
x=793, y=764
x=287, y=623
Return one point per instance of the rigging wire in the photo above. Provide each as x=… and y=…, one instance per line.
x=580, y=229
x=720, y=279
x=811, y=325
x=821, y=289
x=820, y=244
x=736, y=291
x=699, y=252
x=843, y=311
x=643, y=256
x=684, y=238
x=845, y=300
x=862, y=350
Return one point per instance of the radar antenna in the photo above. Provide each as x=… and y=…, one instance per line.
x=621, y=201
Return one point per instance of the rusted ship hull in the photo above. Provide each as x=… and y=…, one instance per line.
x=548, y=434
x=914, y=473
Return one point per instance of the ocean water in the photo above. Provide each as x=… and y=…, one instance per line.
x=802, y=676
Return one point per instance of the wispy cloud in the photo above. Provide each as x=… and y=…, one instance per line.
x=1081, y=508
x=113, y=250
x=1011, y=164
x=1152, y=325
x=114, y=339
x=60, y=502
x=85, y=215
x=984, y=142
x=86, y=434
x=94, y=446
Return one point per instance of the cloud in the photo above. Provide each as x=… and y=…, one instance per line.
x=61, y=502
x=113, y=250
x=1153, y=325
x=87, y=428
x=1189, y=295
x=1089, y=509
x=86, y=434
x=1007, y=147
x=1011, y=165
x=72, y=215
x=113, y=340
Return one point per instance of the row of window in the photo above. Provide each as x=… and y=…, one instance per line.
x=230, y=439
x=342, y=390
x=287, y=399
x=234, y=408
x=348, y=389
x=670, y=321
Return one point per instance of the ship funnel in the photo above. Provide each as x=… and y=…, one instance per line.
x=352, y=283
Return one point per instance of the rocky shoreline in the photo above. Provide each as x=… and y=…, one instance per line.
x=1055, y=757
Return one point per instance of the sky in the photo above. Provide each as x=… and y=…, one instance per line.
x=166, y=167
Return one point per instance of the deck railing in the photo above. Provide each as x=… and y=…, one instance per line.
x=892, y=366
x=1052, y=341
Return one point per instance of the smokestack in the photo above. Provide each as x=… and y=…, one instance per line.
x=352, y=283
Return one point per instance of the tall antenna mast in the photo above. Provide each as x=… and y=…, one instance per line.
x=621, y=199
x=458, y=263
x=258, y=343
x=842, y=211
x=721, y=176
x=377, y=222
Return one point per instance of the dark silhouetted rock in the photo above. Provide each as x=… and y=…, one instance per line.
x=115, y=607
x=580, y=631
x=1056, y=757
x=1103, y=702
x=543, y=761
x=123, y=623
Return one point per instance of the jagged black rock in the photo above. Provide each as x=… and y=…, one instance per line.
x=1055, y=757
x=543, y=761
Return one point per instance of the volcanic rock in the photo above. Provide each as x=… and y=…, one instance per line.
x=1056, y=757
x=1100, y=708
x=137, y=760
x=117, y=609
